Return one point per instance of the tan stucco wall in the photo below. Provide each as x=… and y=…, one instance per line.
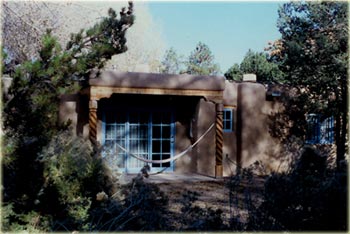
x=254, y=139
x=230, y=138
x=68, y=110
x=186, y=111
x=206, y=148
x=188, y=162
x=251, y=140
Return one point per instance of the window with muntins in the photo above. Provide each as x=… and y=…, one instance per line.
x=319, y=131
x=228, y=120
x=147, y=134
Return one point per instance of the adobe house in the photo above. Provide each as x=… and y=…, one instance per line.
x=159, y=116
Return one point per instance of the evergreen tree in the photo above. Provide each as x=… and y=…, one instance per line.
x=201, y=61
x=30, y=113
x=234, y=73
x=171, y=63
x=313, y=52
x=257, y=63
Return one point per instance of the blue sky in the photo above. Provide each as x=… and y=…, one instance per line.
x=228, y=28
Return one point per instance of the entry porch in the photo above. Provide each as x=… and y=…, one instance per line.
x=156, y=117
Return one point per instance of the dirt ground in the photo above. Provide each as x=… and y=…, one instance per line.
x=212, y=194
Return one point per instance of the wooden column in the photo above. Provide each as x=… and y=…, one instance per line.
x=219, y=139
x=93, y=121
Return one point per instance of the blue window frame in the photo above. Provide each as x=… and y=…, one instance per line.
x=228, y=120
x=147, y=134
x=319, y=131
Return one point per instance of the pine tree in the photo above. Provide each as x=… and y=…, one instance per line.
x=313, y=52
x=30, y=114
x=171, y=63
x=257, y=63
x=201, y=61
x=234, y=73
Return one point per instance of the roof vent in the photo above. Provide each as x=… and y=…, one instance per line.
x=249, y=78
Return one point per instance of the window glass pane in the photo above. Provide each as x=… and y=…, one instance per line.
x=143, y=132
x=166, y=146
x=133, y=146
x=120, y=131
x=110, y=131
x=131, y=130
x=113, y=155
x=326, y=131
x=227, y=120
x=166, y=132
x=143, y=146
x=109, y=145
x=122, y=143
x=156, y=146
x=225, y=124
x=165, y=156
x=156, y=157
x=227, y=114
x=313, y=129
x=156, y=132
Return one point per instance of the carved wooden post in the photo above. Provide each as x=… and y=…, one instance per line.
x=93, y=121
x=219, y=139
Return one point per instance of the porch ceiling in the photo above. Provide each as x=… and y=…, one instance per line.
x=110, y=82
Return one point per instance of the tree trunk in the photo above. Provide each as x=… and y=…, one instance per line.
x=341, y=125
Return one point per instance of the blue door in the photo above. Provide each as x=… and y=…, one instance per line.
x=147, y=134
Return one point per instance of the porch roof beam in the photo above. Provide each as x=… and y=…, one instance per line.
x=99, y=92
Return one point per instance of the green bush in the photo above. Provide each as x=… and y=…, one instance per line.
x=26, y=222
x=73, y=175
x=80, y=193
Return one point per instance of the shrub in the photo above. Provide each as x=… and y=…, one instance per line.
x=25, y=222
x=73, y=175
x=241, y=186
x=310, y=197
x=195, y=218
x=137, y=206
x=149, y=205
x=80, y=193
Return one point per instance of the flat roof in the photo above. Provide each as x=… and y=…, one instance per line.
x=111, y=78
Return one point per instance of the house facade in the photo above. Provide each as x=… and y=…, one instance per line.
x=175, y=123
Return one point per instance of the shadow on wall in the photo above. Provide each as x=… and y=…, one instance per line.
x=74, y=109
x=206, y=148
x=254, y=141
x=186, y=112
x=287, y=123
